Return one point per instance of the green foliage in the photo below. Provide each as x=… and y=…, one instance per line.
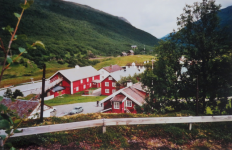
x=8, y=93
x=207, y=50
x=17, y=93
x=133, y=79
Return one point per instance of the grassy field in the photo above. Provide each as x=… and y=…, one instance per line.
x=122, y=61
x=18, y=73
x=71, y=99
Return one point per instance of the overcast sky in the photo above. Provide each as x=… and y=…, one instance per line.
x=157, y=17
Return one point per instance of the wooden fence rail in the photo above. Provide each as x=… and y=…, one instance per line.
x=119, y=121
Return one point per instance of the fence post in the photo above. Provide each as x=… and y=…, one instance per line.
x=190, y=125
x=103, y=127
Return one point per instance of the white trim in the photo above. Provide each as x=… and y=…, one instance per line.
x=108, y=90
x=117, y=105
x=127, y=103
x=87, y=79
x=108, y=84
x=71, y=87
x=113, y=90
x=77, y=88
x=113, y=84
x=106, y=109
x=81, y=80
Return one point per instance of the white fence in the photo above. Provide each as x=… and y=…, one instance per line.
x=119, y=121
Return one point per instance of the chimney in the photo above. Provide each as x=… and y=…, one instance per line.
x=128, y=83
x=77, y=67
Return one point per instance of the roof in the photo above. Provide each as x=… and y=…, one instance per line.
x=122, y=73
x=57, y=88
x=131, y=51
x=118, y=98
x=112, y=68
x=23, y=107
x=96, y=81
x=132, y=92
x=77, y=74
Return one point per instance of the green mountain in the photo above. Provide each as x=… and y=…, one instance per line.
x=69, y=29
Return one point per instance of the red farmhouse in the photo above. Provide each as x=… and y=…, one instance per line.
x=124, y=100
x=74, y=80
x=108, y=85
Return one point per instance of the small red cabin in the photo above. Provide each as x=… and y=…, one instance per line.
x=124, y=100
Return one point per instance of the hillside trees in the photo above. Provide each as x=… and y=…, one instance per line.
x=207, y=50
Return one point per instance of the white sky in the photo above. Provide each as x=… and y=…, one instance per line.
x=157, y=17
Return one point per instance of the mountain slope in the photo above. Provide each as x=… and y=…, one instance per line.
x=71, y=29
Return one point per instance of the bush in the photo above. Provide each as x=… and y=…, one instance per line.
x=17, y=93
x=8, y=93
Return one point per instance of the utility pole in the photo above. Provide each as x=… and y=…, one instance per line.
x=197, y=98
x=42, y=95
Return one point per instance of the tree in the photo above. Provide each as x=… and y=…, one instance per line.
x=17, y=93
x=204, y=40
x=8, y=93
x=207, y=50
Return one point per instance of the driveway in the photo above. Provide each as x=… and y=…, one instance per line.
x=90, y=107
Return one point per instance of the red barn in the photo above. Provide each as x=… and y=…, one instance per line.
x=74, y=80
x=124, y=100
x=108, y=85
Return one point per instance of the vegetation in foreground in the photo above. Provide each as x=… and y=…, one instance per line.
x=202, y=135
x=71, y=99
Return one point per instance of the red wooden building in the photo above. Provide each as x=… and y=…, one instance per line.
x=108, y=85
x=124, y=100
x=74, y=80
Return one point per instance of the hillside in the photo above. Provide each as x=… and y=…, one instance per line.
x=225, y=16
x=69, y=29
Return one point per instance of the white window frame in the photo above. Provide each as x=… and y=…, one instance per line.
x=113, y=84
x=113, y=90
x=92, y=78
x=89, y=84
x=107, y=84
x=77, y=88
x=84, y=86
x=116, y=105
x=128, y=102
x=107, y=91
x=87, y=79
x=81, y=81
x=110, y=78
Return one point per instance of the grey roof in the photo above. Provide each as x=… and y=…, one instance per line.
x=57, y=88
x=77, y=74
x=121, y=73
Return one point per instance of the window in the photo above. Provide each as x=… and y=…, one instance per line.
x=92, y=78
x=81, y=81
x=113, y=91
x=90, y=85
x=87, y=79
x=77, y=88
x=107, y=91
x=129, y=103
x=106, y=83
x=110, y=78
x=113, y=84
x=116, y=105
x=84, y=86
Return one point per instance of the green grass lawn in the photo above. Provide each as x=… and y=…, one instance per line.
x=71, y=99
